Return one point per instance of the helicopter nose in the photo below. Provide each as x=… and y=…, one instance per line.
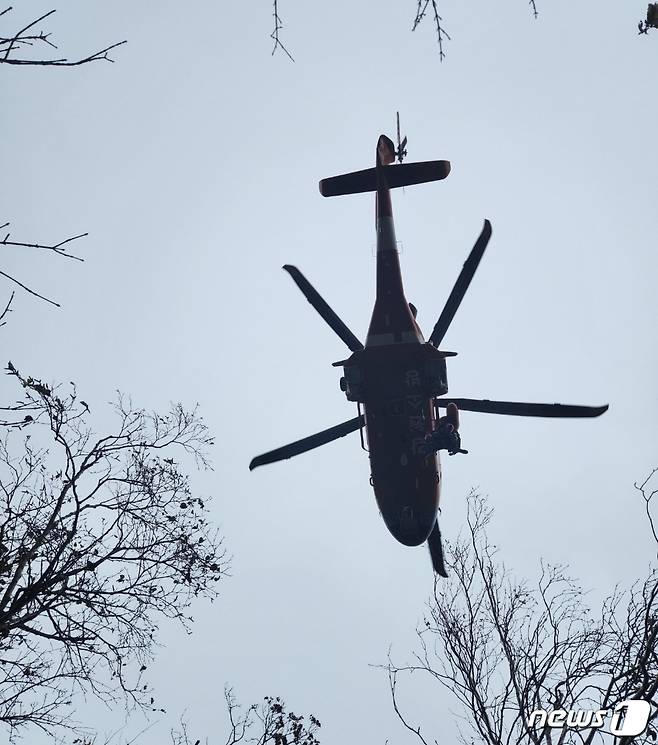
x=408, y=522
x=412, y=526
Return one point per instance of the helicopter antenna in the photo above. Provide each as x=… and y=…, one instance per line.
x=401, y=151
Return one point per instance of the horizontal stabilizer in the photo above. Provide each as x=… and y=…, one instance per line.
x=405, y=174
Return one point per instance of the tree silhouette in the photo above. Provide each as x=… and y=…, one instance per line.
x=266, y=724
x=101, y=538
x=505, y=648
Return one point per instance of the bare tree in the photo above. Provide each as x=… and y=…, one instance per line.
x=13, y=44
x=266, y=724
x=505, y=648
x=101, y=538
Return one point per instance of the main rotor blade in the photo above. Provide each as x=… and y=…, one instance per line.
x=316, y=300
x=515, y=408
x=308, y=443
x=461, y=285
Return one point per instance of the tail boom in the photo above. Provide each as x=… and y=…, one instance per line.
x=392, y=321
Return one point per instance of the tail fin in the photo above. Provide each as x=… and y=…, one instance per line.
x=405, y=174
x=385, y=150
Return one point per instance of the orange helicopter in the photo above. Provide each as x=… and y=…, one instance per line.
x=397, y=379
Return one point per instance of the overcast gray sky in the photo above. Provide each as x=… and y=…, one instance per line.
x=193, y=162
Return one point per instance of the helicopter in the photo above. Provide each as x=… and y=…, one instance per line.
x=397, y=379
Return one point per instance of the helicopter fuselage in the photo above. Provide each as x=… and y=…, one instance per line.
x=396, y=378
x=395, y=384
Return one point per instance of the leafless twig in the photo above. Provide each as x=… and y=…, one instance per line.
x=27, y=289
x=441, y=33
x=58, y=248
x=278, y=25
x=6, y=310
x=26, y=37
x=648, y=495
x=392, y=681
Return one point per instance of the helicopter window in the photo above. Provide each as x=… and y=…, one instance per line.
x=437, y=377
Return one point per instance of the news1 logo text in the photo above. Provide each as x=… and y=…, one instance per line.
x=628, y=719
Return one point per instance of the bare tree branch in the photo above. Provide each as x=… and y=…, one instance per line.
x=27, y=289
x=278, y=25
x=6, y=310
x=441, y=33
x=648, y=495
x=392, y=681
x=422, y=9
x=27, y=38
x=58, y=248
x=55, y=247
